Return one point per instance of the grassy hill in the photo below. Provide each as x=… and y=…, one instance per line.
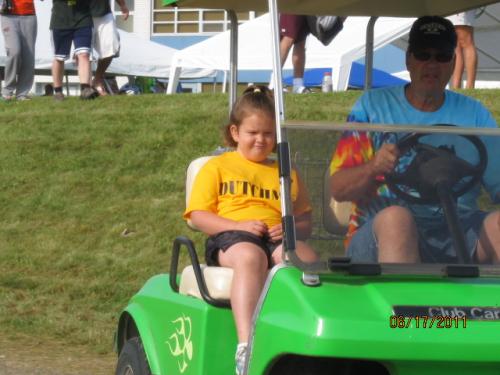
x=91, y=196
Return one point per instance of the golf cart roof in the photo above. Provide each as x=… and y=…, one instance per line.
x=393, y=8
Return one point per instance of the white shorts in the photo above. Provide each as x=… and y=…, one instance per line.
x=106, y=37
x=463, y=19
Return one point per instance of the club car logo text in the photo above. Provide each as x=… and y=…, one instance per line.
x=180, y=343
x=469, y=312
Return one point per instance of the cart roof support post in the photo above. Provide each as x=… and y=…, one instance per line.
x=370, y=31
x=233, y=58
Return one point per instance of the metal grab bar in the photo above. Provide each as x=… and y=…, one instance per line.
x=200, y=279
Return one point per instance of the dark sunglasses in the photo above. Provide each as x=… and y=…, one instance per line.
x=441, y=57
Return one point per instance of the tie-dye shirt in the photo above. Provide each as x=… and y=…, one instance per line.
x=390, y=106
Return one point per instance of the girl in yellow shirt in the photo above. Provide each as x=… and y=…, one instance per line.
x=236, y=201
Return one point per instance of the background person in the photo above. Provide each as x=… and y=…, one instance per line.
x=19, y=29
x=235, y=200
x=71, y=22
x=382, y=227
x=293, y=32
x=466, y=54
x=106, y=38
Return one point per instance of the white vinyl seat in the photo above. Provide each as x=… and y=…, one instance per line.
x=218, y=279
x=191, y=173
x=335, y=214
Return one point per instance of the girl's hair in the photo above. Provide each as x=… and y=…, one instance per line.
x=254, y=99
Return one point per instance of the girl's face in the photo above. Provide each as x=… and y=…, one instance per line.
x=255, y=137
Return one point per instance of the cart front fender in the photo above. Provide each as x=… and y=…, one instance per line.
x=135, y=320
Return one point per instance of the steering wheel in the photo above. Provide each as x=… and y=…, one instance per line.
x=433, y=166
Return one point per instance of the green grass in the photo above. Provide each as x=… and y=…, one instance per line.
x=75, y=176
x=91, y=197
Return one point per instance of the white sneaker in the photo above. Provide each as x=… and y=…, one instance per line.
x=301, y=90
x=240, y=357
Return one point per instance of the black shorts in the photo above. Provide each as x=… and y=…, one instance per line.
x=224, y=240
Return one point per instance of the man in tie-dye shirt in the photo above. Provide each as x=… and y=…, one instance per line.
x=383, y=228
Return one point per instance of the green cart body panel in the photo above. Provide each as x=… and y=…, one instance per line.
x=349, y=317
x=345, y=317
x=182, y=334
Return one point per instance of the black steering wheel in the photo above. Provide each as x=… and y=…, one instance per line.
x=433, y=166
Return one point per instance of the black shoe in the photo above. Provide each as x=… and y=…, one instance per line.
x=58, y=96
x=89, y=93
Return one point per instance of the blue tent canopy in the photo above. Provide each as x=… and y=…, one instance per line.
x=314, y=77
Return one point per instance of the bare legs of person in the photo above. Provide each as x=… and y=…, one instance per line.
x=83, y=70
x=57, y=72
x=285, y=44
x=397, y=236
x=102, y=66
x=57, y=79
x=83, y=61
x=488, y=247
x=298, y=60
x=250, y=266
x=466, y=57
x=84, y=73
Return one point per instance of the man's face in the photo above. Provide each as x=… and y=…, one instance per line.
x=430, y=69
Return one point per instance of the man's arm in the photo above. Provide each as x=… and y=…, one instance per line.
x=123, y=9
x=356, y=183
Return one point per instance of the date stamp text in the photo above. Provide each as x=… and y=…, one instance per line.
x=438, y=321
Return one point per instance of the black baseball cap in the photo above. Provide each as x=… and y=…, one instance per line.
x=432, y=32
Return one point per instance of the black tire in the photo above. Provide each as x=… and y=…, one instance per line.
x=132, y=359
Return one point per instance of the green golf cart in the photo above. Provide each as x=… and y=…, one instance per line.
x=334, y=315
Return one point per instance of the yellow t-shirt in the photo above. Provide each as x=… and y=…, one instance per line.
x=238, y=189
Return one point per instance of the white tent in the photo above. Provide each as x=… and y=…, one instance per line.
x=138, y=56
x=254, y=50
x=487, y=33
